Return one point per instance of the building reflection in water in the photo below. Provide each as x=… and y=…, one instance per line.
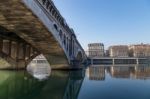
x=141, y=72
x=21, y=85
x=96, y=73
x=120, y=71
x=133, y=72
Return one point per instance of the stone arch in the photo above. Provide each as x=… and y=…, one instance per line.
x=31, y=58
x=41, y=34
x=38, y=61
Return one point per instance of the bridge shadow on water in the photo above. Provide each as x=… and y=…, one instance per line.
x=22, y=85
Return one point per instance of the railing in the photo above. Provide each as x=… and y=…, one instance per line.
x=52, y=10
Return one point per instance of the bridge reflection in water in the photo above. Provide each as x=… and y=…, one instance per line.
x=107, y=80
x=21, y=85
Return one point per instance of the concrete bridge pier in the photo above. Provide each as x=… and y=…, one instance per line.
x=113, y=61
x=18, y=54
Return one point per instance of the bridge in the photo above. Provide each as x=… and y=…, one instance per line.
x=117, y=60
x=29, y=28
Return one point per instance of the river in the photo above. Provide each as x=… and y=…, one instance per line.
x=98, y=82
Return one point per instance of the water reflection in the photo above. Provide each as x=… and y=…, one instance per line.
x=21, y=85
x=96, y=73
x=100, y=82
x=116, y=82
x=134, y=72
x=142, y=72
x=14, y=85
x=120, y=71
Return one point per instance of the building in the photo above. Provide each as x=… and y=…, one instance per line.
x=96, y=50
x=139, y=50
x=118, y=51
x=107, y=53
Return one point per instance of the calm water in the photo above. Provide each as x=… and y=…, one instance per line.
x=119, y=82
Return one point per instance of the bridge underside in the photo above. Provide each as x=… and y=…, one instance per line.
x=15, y=51
x=17, y=18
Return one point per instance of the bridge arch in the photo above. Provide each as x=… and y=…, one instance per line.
x=43, y=32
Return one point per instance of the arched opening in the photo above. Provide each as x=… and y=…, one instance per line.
x=39, y=67
x=55, y=26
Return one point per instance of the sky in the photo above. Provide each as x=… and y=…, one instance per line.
x=110, y=22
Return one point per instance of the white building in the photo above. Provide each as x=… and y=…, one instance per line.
x=96, y=50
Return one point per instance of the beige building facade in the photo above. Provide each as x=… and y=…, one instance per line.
x=118, y=51
x=139, y=50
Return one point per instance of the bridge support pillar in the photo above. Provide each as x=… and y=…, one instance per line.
x=137, y=61
x=27, y=53
x=14, y=50
x=21, y=64
x=1, y=44
x=91, y=61
x=113, y=61
x=21, y=51
x=6, y=46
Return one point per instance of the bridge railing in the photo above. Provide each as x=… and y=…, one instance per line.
x=64, y=33
x=46, y=11
x=52, y=10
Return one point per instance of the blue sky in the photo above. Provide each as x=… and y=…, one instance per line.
x=108, y=21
